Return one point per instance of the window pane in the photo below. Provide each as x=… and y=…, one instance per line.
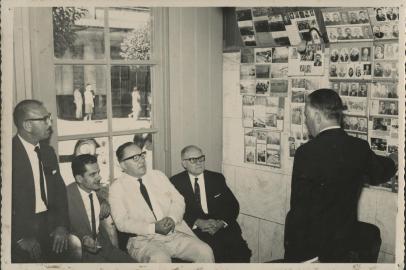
x=130, y=33
x=143, y=140
x=78, y=32
x=131, y=97
x=95, y=146
x=80, y=99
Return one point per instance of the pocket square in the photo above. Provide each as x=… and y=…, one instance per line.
x=217, y=195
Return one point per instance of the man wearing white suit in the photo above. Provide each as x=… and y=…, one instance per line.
x=148, y=205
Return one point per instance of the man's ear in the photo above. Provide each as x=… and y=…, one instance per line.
x=79, y=179
x=317, y=117
x=183, y=164
x=27, y=126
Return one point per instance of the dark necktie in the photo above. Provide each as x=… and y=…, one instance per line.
x=144, y=193
x=93, y=216
x=197, y=194
x=41, y=177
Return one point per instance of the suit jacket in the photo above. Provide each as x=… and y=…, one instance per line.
x=221, y=202
x=23, y=193
x=327, y=179
x=80, y=225
x=131, y=213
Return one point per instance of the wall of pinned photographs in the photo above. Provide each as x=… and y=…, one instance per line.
x=266, y=26
x=360, y=63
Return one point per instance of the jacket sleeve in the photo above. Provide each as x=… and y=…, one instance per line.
x=229, y=207
x=379, y=169
x=59, y=209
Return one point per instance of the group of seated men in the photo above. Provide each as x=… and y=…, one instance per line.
x=191, y=217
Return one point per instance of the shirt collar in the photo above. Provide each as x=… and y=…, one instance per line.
x=330, y=127
x=191, y=176
x=27, y=145
x=85, y=193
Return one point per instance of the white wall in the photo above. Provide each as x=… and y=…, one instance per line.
x=195, y=66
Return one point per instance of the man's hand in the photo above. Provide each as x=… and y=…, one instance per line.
x=164, y=226
x=104, y=209
x=394, y=157
x=215, y=226
x=60, y=243
x=90, y=244
x=31, y=246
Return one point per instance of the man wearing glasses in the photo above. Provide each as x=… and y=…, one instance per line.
x=211, y=208
x=39, y=204
x=145, y=204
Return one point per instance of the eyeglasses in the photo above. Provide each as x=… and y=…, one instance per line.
x=194, y=160
x=46, y=118
x=136, y=157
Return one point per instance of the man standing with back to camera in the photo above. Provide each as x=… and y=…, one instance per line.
x=211, y=208
x=39, y=204
x=327, y=180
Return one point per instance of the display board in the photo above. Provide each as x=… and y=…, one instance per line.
x=361, y=65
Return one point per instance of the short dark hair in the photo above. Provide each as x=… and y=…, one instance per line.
x=22, y=109
x=121, y=148
x=79, y=163
x=328, y=102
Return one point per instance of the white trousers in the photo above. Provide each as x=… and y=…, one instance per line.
x=160, y=248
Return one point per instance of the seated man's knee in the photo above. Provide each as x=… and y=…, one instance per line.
x=205, y=253
x=159, y=257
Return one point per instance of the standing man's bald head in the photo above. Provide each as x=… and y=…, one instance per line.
x=33, y=121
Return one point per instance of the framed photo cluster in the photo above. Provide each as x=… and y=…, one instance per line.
x=347, y=24
x=385, y=22
x=266, y=26
x=262, y=147
x=263, y=71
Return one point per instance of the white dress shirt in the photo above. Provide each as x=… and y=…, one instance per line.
x=96, y=205
x=330, y=127
x=203, y=198
x=33, y=157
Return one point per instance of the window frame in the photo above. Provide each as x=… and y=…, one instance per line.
x=158, y=64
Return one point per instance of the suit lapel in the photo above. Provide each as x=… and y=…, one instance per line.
x=209, y=191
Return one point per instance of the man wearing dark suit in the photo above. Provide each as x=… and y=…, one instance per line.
x=211, y=208
x=39, y=205
x=327, y=179
x=84, y=211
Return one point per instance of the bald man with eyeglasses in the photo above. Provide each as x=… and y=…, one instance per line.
x=39, y=203
x=145, y=204
x=211, y=208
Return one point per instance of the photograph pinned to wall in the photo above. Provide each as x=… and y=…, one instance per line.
x=261, y=25
x=383, y=107
x=261, y=135
x=355, y=105
x=308, y=63
x=280, y=55
x=355, y=124
x=279, y=88
x=260, y=112
x=262, y=87
x=247, y=87
x=263, y=55
x=297, y=114
x=243, y=14
x=298, y=136
x=247, y=72
x=275, y=110
x=261, y=154
x=384, y=90
x=273, y=149
x=278, y=30
x=247, y=55
x=248, y=103
x=380, y=126
x=262, y=71
x=247, y=32
x=385, y=70
x=249, y=146
x=385, y=22
x=303, y=25
x=279, y=70
x=249, y=40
